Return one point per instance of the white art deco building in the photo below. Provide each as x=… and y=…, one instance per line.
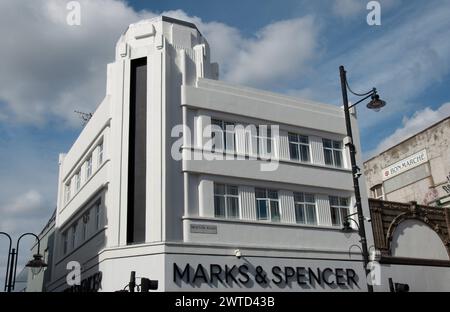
x=265, y=217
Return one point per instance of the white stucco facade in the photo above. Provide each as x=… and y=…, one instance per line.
x=287, y=220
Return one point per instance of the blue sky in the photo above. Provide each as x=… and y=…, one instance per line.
x=49, y=69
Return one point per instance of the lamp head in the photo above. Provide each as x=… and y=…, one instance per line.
x=346, y=226
x=376, y=103
x=36, y=264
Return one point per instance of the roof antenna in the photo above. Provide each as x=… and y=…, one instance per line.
x=84, y=116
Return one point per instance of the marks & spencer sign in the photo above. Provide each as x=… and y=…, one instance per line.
x=405, y=164
x=249, y=276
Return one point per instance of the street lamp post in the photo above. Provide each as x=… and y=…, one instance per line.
x=13, y=255
x=375, y=104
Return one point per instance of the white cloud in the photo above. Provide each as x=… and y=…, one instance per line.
x=419, y=121
x=279, y=52
x=28, y=202
x=52, y=69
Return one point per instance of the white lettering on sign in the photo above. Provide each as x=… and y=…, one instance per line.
x=405, y=164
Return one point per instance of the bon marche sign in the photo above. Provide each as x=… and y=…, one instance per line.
x=405, y=164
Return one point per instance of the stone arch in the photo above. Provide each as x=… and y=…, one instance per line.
x=400, y=220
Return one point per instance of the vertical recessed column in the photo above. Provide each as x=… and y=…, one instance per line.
x=137, y=152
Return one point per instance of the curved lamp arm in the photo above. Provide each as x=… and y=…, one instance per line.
x=9, y=257
x=17, y=253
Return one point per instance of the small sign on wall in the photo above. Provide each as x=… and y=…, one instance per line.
x=204, y=228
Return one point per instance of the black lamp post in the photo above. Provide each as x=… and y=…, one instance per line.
x=376, y=104
x=13, y=254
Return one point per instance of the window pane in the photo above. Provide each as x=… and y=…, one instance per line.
x=303, y=139
x=337, y=159
x=327, y=143
x=344, y=214
x=293, y=151
x=311, y=214
x=292, y=137
x=261, y=209
x=309, y=198
x=219, y=206
x=337, y=144
x=274, y=211
x=260, y=193
x=273, y=194
x=269, y=146
x=304, y=150
x=299, y=197
x=229, y=141
x=219, y=188
x=335, y=220
x=216, y=122
x=328, y=156
x=299, y=213
x=343, y=201
x=232, y=190
x=334, y=201
x=233, y=207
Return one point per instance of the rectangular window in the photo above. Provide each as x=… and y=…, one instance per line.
x=100, y=153
x=299, y=147
x=67, y=192
x=339, y=209
x=84, y=224
x=97, y=217
x=89, y=167
x=74, y=235
x=377, y=191
x=223, y=135
x=305, y=208
x=332, y=151
x=264, y=140
x=65, y=240
x=267, y=207
x=226, y=201
x=77, y=181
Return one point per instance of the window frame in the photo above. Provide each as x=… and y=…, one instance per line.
x=271, y=203
x=226, y=136
x=267, y=141
x=97, y=213
x=339, y=208
x=374, y=189
x=226, y=196
x=73, y=237
x=333, y=150
x=298, y=144
x=77, y=181
x=88, y=167
x=305, y=206
x=100, y=153
x=65, y=239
